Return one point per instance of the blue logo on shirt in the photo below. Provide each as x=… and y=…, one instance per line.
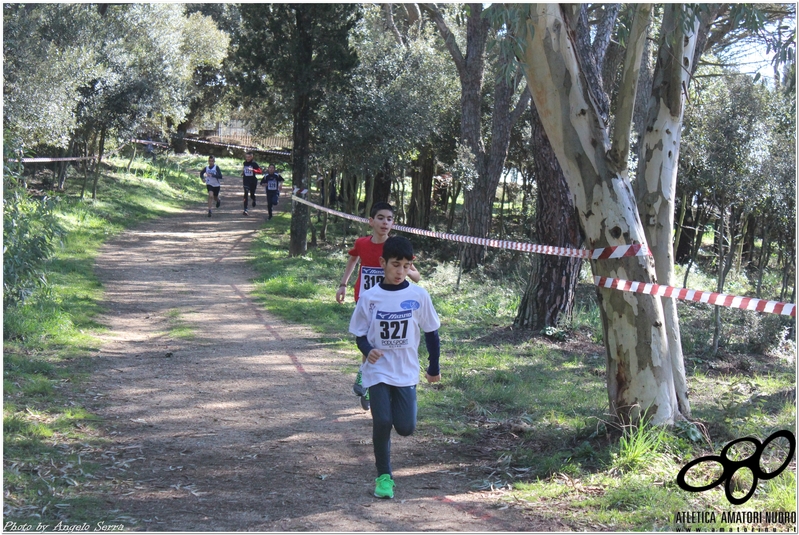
x=410, y=305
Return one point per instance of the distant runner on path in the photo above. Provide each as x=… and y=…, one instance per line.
x=212, y=175
x=273, y=184
x=251, y=168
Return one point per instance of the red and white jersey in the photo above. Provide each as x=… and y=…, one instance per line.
x=392, y=322
x=370, y=274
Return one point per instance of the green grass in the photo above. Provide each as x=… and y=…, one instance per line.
x=47, y=343
x=178, y=328
x=540, y=413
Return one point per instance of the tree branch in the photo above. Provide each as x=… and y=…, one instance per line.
x=521, y=106
x=388, y=10
x=620, y=145
x=449, y=38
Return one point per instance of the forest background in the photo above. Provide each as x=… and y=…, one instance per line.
x=446, y=112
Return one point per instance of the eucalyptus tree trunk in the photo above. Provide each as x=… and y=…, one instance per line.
x=657, y=175
x=640, y=374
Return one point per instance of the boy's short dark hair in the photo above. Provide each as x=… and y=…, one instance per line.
x=397, y=247
x=376, y=207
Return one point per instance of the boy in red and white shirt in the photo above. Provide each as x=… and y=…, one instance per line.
x=389, y=322
x=368, y=251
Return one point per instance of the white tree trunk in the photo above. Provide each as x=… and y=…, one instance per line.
x=657, y=183
x=639, y=371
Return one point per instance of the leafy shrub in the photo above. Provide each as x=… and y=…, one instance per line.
x=30, y=232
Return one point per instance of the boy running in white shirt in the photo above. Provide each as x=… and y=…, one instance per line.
x=387, y=322
x=212, y=176
x=367, y=251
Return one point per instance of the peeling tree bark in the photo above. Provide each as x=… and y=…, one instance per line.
x=658, y=162
x=640, y=375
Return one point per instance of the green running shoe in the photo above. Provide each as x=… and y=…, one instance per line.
x=384, y=486
x=358, y=388
x=365, y=400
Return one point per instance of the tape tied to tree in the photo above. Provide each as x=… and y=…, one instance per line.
x=618, y=251
x=713, y=298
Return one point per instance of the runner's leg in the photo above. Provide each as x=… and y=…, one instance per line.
x=381, y=426
x=403, y=409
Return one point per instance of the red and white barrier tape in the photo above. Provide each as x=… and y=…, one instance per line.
x=148, y=142
x=713, y=298
x=302, y=192
x=47, y=160
x=618, y=251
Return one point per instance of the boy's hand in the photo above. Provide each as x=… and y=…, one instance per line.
x=414, y=274
x=374, y=355
x=432, y=378
x=342, y=291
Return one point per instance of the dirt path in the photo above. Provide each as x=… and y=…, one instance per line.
x=249, y=425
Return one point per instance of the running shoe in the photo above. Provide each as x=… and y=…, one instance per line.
x=365, y=405
x=245, y=212
x=384, y=486
x=358, y=388
x=253, y=203
x=218, y=202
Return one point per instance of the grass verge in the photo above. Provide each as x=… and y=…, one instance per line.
x=533, y=409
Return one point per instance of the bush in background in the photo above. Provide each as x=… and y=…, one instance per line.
x=30, y=234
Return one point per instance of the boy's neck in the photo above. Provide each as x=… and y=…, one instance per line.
x=394, y=287
x=378, y=239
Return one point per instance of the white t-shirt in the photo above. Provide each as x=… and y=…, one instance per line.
x=392, y=322
x=211, y=178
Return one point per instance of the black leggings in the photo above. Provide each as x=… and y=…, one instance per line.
x=249, y=189
x=392, y=406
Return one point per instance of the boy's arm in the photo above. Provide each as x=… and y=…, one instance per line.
x=363, y=345
x=433, y=343
x=413, y=274
x=342, y=287
x=202, y=174
x=370, y=353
